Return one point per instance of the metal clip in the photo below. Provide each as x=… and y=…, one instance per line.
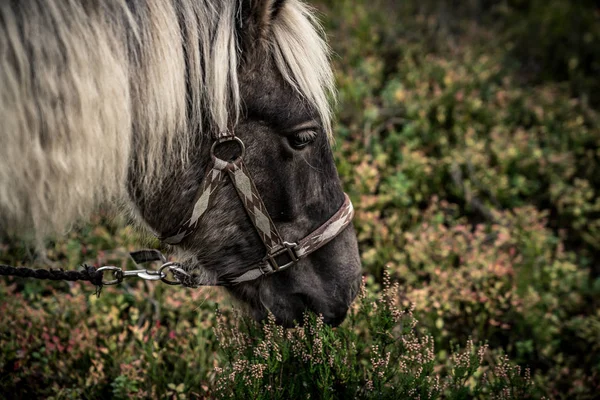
x=145, y=274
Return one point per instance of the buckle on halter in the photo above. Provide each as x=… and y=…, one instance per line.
x=275, y=259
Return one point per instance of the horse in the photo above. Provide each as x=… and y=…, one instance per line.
x=174, y=111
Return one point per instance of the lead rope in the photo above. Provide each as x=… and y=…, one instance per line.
x=95, y=275
x=88, y=273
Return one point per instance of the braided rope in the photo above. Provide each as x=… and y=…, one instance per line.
x=88, y=273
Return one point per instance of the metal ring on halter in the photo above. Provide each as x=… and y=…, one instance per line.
x=172, y=267
x=225, y=139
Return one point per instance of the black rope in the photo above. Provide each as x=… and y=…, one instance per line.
x=88, y=273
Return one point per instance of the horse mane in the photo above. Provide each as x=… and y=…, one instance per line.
x=85, y=84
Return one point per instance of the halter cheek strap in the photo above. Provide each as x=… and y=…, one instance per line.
x=279, y=253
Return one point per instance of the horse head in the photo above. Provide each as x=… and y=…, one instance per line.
x=152, y=101
x=283, y=77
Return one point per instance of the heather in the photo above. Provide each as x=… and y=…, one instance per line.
x=468, y=138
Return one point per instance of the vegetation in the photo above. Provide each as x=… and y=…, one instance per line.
x=469, y=141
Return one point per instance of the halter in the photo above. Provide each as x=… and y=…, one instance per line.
x=280, y=254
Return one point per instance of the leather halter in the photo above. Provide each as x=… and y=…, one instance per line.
x=280, y=254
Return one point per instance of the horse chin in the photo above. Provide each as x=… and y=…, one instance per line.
x=294, y=318
x=289, y=308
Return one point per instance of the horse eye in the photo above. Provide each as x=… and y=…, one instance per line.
x=300, y=140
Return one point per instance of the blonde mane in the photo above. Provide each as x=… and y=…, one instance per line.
x=84, y=83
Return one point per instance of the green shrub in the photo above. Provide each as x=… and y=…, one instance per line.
x=511, y=284
x=66, y=343
x=479, y=189
x=377, y=354
x=137, y=340
x=557, y=40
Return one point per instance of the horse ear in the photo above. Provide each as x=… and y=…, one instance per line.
x=257, y=17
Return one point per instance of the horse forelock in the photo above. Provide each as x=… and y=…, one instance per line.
x=91, y=91
x=302, y=57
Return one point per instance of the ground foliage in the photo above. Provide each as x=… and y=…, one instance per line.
x=469, y=141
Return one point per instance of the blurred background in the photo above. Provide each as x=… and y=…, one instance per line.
x=470, y=139
x=468, y=136
x=473, y=149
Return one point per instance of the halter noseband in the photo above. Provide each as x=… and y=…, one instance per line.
x=280, y=254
